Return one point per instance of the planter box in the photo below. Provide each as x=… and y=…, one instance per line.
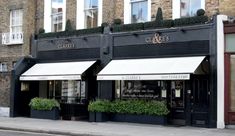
x=92, y=116
x=101, y=116
x=52, y=114
x=148, y=119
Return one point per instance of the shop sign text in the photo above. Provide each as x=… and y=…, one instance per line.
x=157, y=38
x=65, y=45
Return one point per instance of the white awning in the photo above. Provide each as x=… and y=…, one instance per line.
x=56, y=71
x=177, y=68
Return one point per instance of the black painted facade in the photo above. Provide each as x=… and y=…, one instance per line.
x=198, y=40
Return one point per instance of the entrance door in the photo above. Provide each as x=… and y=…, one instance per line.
x=198, y=100
x=176, y=103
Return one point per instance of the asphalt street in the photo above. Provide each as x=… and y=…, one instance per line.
x=21, y=133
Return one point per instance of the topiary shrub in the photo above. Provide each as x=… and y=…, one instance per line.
x=159, y=16
x=41, y=31
x=117, y=21
x=43, y=104
x=68, y=26
x=200, y=12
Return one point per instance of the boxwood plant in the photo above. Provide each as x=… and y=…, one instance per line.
x=43, y=104
x=139, y=107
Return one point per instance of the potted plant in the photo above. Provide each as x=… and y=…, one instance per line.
x=44, y=108
x=98, y=110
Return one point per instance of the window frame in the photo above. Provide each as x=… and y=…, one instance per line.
x=80, y=18
x=176, y=11
x=48, y=15
x=128, y=10
x=2, y=66
x=20, y=24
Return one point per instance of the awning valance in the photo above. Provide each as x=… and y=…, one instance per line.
x=56, y=71
x=176, y=68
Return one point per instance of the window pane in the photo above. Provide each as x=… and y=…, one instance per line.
x=91, y=18
x=57, y=15
x=230, y=42
x=16, y=20
x=139, y=11
x=189, y=7
x=91, y=4
x=232, y=83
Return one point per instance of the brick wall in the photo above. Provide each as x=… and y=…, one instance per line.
x=11, y=53
x=227, y=7
x=71, y=11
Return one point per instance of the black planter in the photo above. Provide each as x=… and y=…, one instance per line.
x=147, y=119
x=101, y=116
x=92, y=116
x=43, y=114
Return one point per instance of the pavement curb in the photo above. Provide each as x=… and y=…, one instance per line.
x=48, y=131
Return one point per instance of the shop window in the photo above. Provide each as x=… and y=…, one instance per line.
x=3, y=67
x=136, y=11
x=89, y=13
x=232, y=83
x=187, y=7
x=177, y=94
x=155, y=90
x=54, y=14
x=230, y=40
x=16, y=21
x=68, y=91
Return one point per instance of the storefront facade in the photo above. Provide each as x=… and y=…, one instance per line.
x=176, y=65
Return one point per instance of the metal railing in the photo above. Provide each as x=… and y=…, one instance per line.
x=12, y=38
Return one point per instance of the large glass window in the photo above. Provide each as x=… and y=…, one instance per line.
x=190, y=7
x=139, y=11
x=232, y=83
x=91, y=13
x=68, y=91
x=141, y=90
x=57, y=15
x=177, y=94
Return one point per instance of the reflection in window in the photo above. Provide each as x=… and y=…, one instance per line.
x=91, y=13
x=140, y=89
x=57, y=15
x=68, y=91
x=139, y=11
x=189, y=7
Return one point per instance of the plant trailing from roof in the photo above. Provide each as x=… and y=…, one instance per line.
x=68, y=26
x=43, y=104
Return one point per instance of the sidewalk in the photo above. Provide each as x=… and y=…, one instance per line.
x=81, y=128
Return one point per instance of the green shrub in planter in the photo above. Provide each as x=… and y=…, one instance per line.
x=200, y=12
x=99, y=106
x=43, y=104
x=139, y=107
x=128, y=27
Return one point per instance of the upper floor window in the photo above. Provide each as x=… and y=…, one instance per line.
x=187, y=7
x=136, y=11
x=54, y=15
x=89, y=13
x=3, y=67
x=16, y=21
x=139, y=11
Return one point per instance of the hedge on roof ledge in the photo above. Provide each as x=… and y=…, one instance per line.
x=95, y=30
